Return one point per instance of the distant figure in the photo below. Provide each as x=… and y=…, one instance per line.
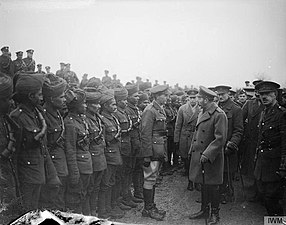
x=48, y=69
x=84, y=81
x=18, y=64
x=106, y=80
x=30, y=63
x=5, y=60
x=156, y=83
x=39, y=67
x=70, y=76
x=61, y=71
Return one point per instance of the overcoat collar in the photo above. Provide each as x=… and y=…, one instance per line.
x=203, y=116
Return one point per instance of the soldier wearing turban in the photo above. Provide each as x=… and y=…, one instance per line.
x=53, y=92
x=33, y=159
x=78, y=156
x=112, y=154
x=97, y=146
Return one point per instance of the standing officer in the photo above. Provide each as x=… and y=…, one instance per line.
x=153, y=143
x=53, y=196
x=17, y=64
x=61, y=71
x=77, y=152
x=29, y=62
x=113, y=157
x=185, y=128
x=207, y=148
x=128, y=159
x=133, y=112
x=39, y=69
x=5, y=60
x=33, y=160
x=48, y=69
x=96, y=147
x=7, y=144
x=234, y=135
x=270, y=167
x=70, y=76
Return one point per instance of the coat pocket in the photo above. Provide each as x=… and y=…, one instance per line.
x=159, y=147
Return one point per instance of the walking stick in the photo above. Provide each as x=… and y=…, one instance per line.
x=229, y=179
x=204, y=188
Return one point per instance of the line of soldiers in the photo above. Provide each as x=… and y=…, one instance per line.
x=81, y=149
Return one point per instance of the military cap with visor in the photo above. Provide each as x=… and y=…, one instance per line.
x=267, y=86
x=160, y=89
x=222, y=89
x=19, y=53
x=5, y=49
x=192, y=92
x=30, y=51
x=207, y=93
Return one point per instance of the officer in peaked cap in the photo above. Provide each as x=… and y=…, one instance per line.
x=153, y=142
x=271, y=150
x=255, y=82
x=5, y=61
x=17, y=64
x=30, y=63
x=234, y=135
x=207, y=154
x=192, y=92
x=39, y=67
x=48, y=69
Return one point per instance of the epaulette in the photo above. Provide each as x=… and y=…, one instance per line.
x=281, y=108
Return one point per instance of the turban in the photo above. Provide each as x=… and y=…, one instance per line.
x=131, y=88
x=6, y=86
x=92, y=95
x=143, y=86
x=93, y=82
x=53, y=86
x=75, y=97
x=174, y=98
x=106, y=96
x=120, y=93
x=29, y=83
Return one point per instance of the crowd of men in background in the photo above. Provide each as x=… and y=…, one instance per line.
x=99, y=147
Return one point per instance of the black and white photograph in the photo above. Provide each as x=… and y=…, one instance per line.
x=143, y=112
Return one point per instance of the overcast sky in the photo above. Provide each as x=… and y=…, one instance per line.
x=187, y=42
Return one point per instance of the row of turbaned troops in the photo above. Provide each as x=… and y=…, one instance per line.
x=98, y=147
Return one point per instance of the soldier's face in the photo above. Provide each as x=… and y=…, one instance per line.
x=94, y=108
x=242, y=98
x=122, y=103
x=268, y=98
x=19, y=56
x=193, y=100
x=111, y=106
x=82, y=108
x=222, y=97
x=30, y=55
x=162, y=99
x=134, y=98
x=59, y=102
x=36, y=98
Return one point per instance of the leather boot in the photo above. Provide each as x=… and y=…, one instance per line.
x=149, y=210
x=154, y=205
x=214, y=218
x=203, y=213
x=190, y=186
x=102, y=213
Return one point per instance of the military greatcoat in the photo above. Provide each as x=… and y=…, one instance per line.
x=209, y=139
x=185, y=127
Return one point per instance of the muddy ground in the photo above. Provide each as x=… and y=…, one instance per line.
x=172, y=196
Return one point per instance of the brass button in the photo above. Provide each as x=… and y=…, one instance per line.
x=28, y=163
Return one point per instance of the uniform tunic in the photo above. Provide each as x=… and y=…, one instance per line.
x=30, y=64
x=16, y=66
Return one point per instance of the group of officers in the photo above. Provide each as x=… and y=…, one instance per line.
x=81, y=146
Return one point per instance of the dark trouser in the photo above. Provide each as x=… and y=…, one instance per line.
x=127, y=172
x=77, y=195
x=187, y=166
x=107, y=182
x=117, y=187
x=138, y=177
x=53, y=196
x=210, y=195
x=94, y=188
x=7, y=183
x=226, y=188
x=30, y=195
x=272, y=193
x=171, y=150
